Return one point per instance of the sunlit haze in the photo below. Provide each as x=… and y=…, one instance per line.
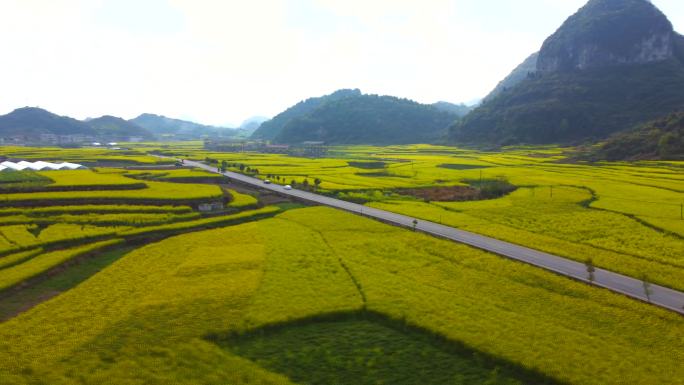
x=221, y=61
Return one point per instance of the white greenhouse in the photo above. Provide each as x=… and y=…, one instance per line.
x=38, y=166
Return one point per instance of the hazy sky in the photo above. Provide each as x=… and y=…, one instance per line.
x=220, y=61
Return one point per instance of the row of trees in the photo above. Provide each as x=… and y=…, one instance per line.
x=224, y=165
x=305, y=185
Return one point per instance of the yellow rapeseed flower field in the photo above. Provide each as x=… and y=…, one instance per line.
x=145, y=318
x=626, y=216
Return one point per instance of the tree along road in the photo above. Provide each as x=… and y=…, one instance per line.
x=659, y=295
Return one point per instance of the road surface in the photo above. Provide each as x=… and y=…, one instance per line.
x=660, y=296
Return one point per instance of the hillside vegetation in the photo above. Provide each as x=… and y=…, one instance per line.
x=661, y=139
x=270, y=129
x=369, y=119
x=572, y=107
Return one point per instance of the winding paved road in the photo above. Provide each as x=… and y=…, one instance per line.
x=661, y=296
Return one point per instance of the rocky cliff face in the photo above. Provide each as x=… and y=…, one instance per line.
x=612, y=65
x=605, y=33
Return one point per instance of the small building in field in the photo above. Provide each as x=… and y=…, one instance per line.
x=210, y=207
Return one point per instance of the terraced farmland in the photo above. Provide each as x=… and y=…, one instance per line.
x=40, y=231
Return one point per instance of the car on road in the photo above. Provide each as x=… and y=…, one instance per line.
x=287, y=187
x=267, y=181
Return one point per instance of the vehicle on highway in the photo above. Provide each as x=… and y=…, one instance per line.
x=267, y=181
x=287, y=187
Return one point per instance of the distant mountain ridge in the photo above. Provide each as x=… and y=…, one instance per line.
x=612, y=65
x=34, y=125
x=117, y=128
x=182, y=129
x=32, y=121
x=459, y=110
x=252, y=124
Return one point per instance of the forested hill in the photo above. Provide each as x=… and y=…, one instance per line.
x=613, y=65
x=271, y=129
x=369, y=119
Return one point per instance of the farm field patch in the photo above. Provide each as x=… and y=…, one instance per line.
x=155, y=191
x=370, y=349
